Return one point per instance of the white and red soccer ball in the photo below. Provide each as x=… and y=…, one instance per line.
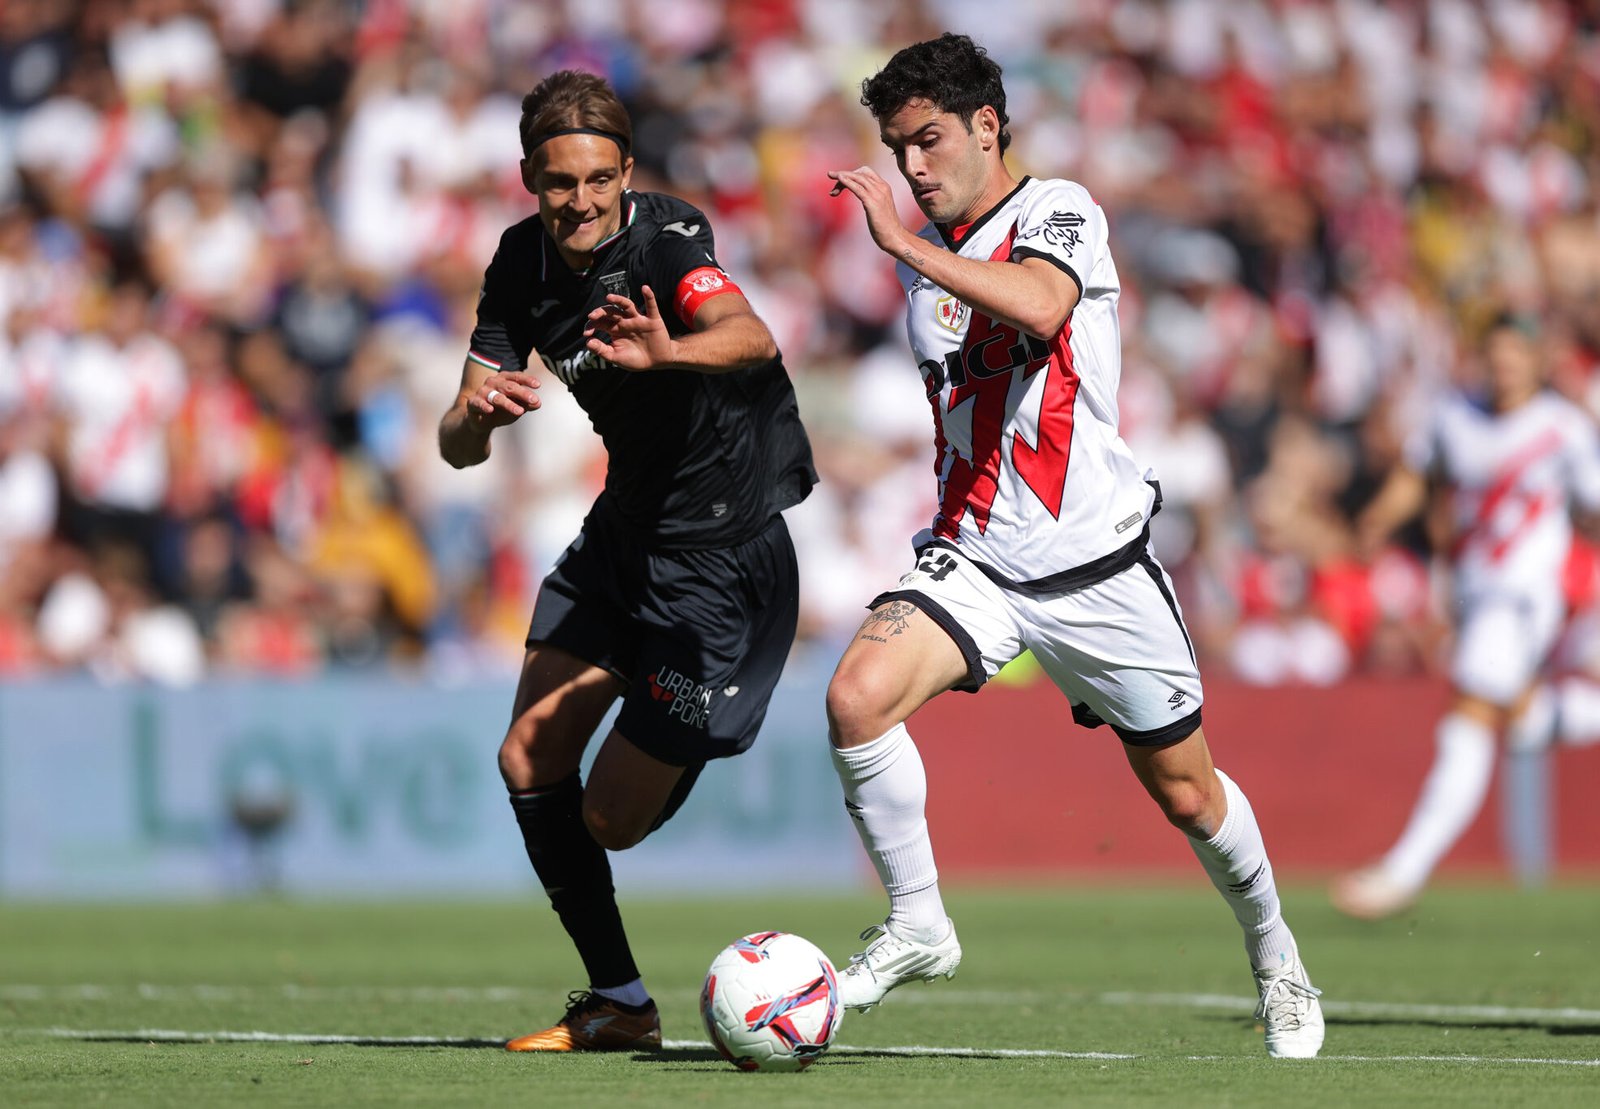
x=771, y=1002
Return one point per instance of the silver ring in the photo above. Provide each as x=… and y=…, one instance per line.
x=492, y=394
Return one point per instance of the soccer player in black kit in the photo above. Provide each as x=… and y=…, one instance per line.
x=680, y=593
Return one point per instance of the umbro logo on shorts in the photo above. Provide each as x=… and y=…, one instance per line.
x=1176, y=700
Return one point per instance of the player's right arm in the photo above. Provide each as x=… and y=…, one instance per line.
x=487, y=399
x=1034, y=293
x=1402, y=495
x=495, y=389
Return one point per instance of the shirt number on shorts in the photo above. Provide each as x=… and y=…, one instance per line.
x=936, y=564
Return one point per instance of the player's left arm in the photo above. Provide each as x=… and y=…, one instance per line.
x=725, y=335
x=720, y=332
x=1032, y=294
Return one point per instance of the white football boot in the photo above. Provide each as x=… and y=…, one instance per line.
x=1290, y=1010
x=890, y=961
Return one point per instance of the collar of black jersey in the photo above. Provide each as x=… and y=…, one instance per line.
x=952, y=242
x=546, y=243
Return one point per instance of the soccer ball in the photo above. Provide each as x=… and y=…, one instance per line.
x=771, y=1002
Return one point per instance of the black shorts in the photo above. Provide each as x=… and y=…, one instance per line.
x=699, y=636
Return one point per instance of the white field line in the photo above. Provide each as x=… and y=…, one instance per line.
x=937, y=996
x=1357, y=1008
x=169, y=1035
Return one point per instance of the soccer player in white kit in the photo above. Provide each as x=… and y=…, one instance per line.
x=1515, y=462
x=1041, y=538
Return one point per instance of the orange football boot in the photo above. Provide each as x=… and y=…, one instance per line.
x=595, y=1023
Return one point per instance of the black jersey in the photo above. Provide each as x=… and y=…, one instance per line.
x=696, y=460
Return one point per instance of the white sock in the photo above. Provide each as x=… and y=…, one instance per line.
x=886, y=792
x=629, y=993
x=1536, y=727
x=1236, y=860
x=1451, y=796
x=1578, y=712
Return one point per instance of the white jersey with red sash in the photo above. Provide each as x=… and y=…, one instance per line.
x=1035, y=483
x=1514, y=477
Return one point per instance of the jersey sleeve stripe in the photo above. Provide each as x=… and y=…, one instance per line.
x=474, y=356
x=1064, y=267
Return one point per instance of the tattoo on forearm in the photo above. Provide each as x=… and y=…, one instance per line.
x=913, y=257
x=890, y=620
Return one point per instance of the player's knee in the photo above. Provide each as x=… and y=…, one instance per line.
x=514, y=761
x=613, y=830
x=1191, y=807
x=859, y=709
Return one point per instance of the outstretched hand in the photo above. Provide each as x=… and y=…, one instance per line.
x=628, y=338
x=877, y=201
x=502, y=398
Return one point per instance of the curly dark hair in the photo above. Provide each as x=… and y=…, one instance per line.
x=951, y=72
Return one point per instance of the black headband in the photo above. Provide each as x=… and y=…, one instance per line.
x=621, y=142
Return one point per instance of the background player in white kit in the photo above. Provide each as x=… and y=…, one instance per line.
x=1040, y=541
x=1515, y=461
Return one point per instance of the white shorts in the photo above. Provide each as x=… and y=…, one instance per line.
x=1118, y=648
x=1502, y=639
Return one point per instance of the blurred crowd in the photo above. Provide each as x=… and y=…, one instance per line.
x=240, y=243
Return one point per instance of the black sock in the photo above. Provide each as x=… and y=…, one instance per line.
x=576, y=876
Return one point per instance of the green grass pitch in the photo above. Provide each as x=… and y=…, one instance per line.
x=1482, y=995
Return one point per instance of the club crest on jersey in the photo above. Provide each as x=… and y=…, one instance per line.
x=950, y=313
x=616, y=284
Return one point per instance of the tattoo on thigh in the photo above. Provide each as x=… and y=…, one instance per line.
x=890, y=620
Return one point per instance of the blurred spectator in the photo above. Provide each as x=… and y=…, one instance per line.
x=240, y=242
x=116, y=393
x=35, y=51
x=104, y=618
x=206, y=244
x=88, y=151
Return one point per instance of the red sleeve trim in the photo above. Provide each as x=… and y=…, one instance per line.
x=697, y=287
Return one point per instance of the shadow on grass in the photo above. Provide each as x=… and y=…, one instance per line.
x=308, y=1041
x=835, y=1057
